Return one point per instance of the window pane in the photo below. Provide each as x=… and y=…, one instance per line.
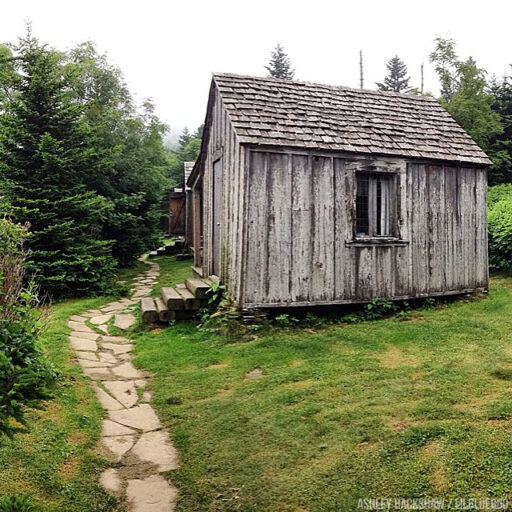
x=383, y=205
x=362, y=204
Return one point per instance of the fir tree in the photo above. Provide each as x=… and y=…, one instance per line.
x=396, y=79
x=45, y=159
x=184, y=138
x=280, y=65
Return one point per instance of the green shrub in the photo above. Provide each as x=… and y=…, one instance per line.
x=18, y=503
x=498, y=193
x=25, y=376
x=500, y=235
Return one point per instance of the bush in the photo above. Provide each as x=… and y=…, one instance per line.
x=25, y=377
x=18, y=503
x=500, y=235
x=498, y=193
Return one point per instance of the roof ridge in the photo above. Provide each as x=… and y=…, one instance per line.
x=327, y=86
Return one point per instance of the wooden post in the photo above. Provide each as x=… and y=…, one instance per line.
x=196, y=209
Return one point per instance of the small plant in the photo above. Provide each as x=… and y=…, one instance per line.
x=25, y=376
x=215, y=294
x=285, y=320
x=18, y=503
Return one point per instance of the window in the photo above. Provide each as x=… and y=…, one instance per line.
x=375, y=204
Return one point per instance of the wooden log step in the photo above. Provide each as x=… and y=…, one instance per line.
x=183, y=256
x=149, y=310
x=172, y=299
x=191, y=302
x=161, y=250
x=185, y=315
x=197, y=287
x=164, y=313
x=152, y=254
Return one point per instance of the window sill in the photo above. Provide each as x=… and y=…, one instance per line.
x=376, y=241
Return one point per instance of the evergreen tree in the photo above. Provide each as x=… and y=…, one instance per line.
x=45, y=159
x=184, y=138
x=280, y=65
x=396, y=79
x=133, y=166
x=501, y=144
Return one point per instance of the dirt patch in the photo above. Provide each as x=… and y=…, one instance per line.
x=256, y=373
x=69, y=468
x=295, y=363
x=393, y=357
x=400, y=426
x=77, y=437
x=300, y=384
x=439, y=476
x=217, y=366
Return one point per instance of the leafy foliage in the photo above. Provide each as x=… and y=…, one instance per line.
x=24, y=375
x=18, y=503
x=132, y=171
x=187, y=151
x=501, y=147
x=500, y=228
x=280, y=65
x=465, y=94
x=397, y=79
x=45, y=157
x=80, y=163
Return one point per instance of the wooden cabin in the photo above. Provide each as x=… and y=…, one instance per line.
x=307, y=194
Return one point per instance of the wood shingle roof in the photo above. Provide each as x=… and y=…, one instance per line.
x=268, y=111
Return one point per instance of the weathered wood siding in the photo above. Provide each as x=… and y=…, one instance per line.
x=299, y=231
x=223, y=145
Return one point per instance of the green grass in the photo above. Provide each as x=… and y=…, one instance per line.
x=55, y=461
x=394, y=407
x=172, y=272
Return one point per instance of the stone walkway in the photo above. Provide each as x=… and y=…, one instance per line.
x=132, y=436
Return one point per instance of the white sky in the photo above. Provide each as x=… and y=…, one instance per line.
x=167, y=50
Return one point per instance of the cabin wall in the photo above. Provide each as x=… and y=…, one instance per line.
x=223, y=144
x=299, y=234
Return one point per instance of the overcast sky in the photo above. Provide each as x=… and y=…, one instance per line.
x=167, y=50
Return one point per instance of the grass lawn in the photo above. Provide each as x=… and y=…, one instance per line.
x=55, y=460
x=396, y=407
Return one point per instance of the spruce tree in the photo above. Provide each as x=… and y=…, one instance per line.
x=184, y=138
x=45, y=158
x=396, y=79
x=280, y=65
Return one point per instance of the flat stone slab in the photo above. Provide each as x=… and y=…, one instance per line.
x=153, y=494
x=101, y=319
x=107, y=402
x=117, y=349
x=156, y=447
x=87, y=356
x=123, y=391
x=115, y=339
x=110, y=480
x=113, y=306
x=127, y=371
x=85, y=363
x=77, y=318
x=107, y=357
x=82, y=344
x=142, y=417
x=124, y=321
x=110, y=428
x=98, y=373
x=85, y=335
x=79, y=326
x=119, y=445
